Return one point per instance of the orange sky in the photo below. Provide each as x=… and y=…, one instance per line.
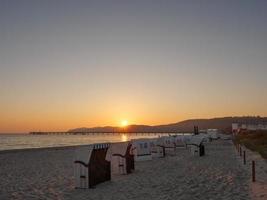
x=85, y=64
x=32, y=117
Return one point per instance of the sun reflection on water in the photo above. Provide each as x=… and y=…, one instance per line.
x=124, y=137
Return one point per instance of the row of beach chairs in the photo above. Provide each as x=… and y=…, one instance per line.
x=97, y=163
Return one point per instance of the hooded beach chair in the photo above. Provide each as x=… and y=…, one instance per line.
x=156, y=148
x=168, y=143
x=141, y=149
x=196, y=146
x=90, y=166
x=179, y=141
x=121, y=158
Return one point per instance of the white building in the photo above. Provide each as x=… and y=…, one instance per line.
x=236, y=127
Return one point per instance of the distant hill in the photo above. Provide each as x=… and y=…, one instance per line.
x=224, y=124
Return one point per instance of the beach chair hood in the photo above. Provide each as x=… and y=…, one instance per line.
x=119, y=148
x=196, y=140
x=83, y=154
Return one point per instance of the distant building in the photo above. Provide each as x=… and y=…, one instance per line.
x=236, y=127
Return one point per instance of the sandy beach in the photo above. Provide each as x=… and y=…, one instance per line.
x=48, y=174
x=259, y=188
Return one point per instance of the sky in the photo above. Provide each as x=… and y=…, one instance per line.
x=68, y=64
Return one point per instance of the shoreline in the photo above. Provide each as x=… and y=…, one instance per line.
x=39, y=149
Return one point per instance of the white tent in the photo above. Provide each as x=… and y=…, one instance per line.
x=81, y=163
x=119, y=154
x=156, y=148
x=141, y=149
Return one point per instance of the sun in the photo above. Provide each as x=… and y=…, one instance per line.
x=124, y=123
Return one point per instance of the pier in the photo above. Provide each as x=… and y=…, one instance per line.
x=105, y=133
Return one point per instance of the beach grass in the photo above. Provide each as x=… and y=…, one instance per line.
x=254, y=140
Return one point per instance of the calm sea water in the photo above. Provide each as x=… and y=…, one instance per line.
x=24, y=141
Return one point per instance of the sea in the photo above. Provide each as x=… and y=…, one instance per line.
x=26, y=141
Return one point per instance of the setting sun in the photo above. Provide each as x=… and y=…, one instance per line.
x=124, y=123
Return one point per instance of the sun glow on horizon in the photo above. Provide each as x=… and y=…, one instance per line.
x=124, y=123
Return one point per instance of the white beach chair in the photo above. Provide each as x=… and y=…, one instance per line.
x=168, y=142
x=225, y=137
x=196, y=145
x=156, y=148
x=179, y=141
x=206, y=137
x=81, y=172
x=213, y=134
x=90, y=166
x=122, y=161
x=141, y=149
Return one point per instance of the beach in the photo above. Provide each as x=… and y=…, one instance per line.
x=220, y=174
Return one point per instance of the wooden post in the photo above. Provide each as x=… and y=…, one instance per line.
x=244, y=157
x=253, y=171
x=240, y=151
